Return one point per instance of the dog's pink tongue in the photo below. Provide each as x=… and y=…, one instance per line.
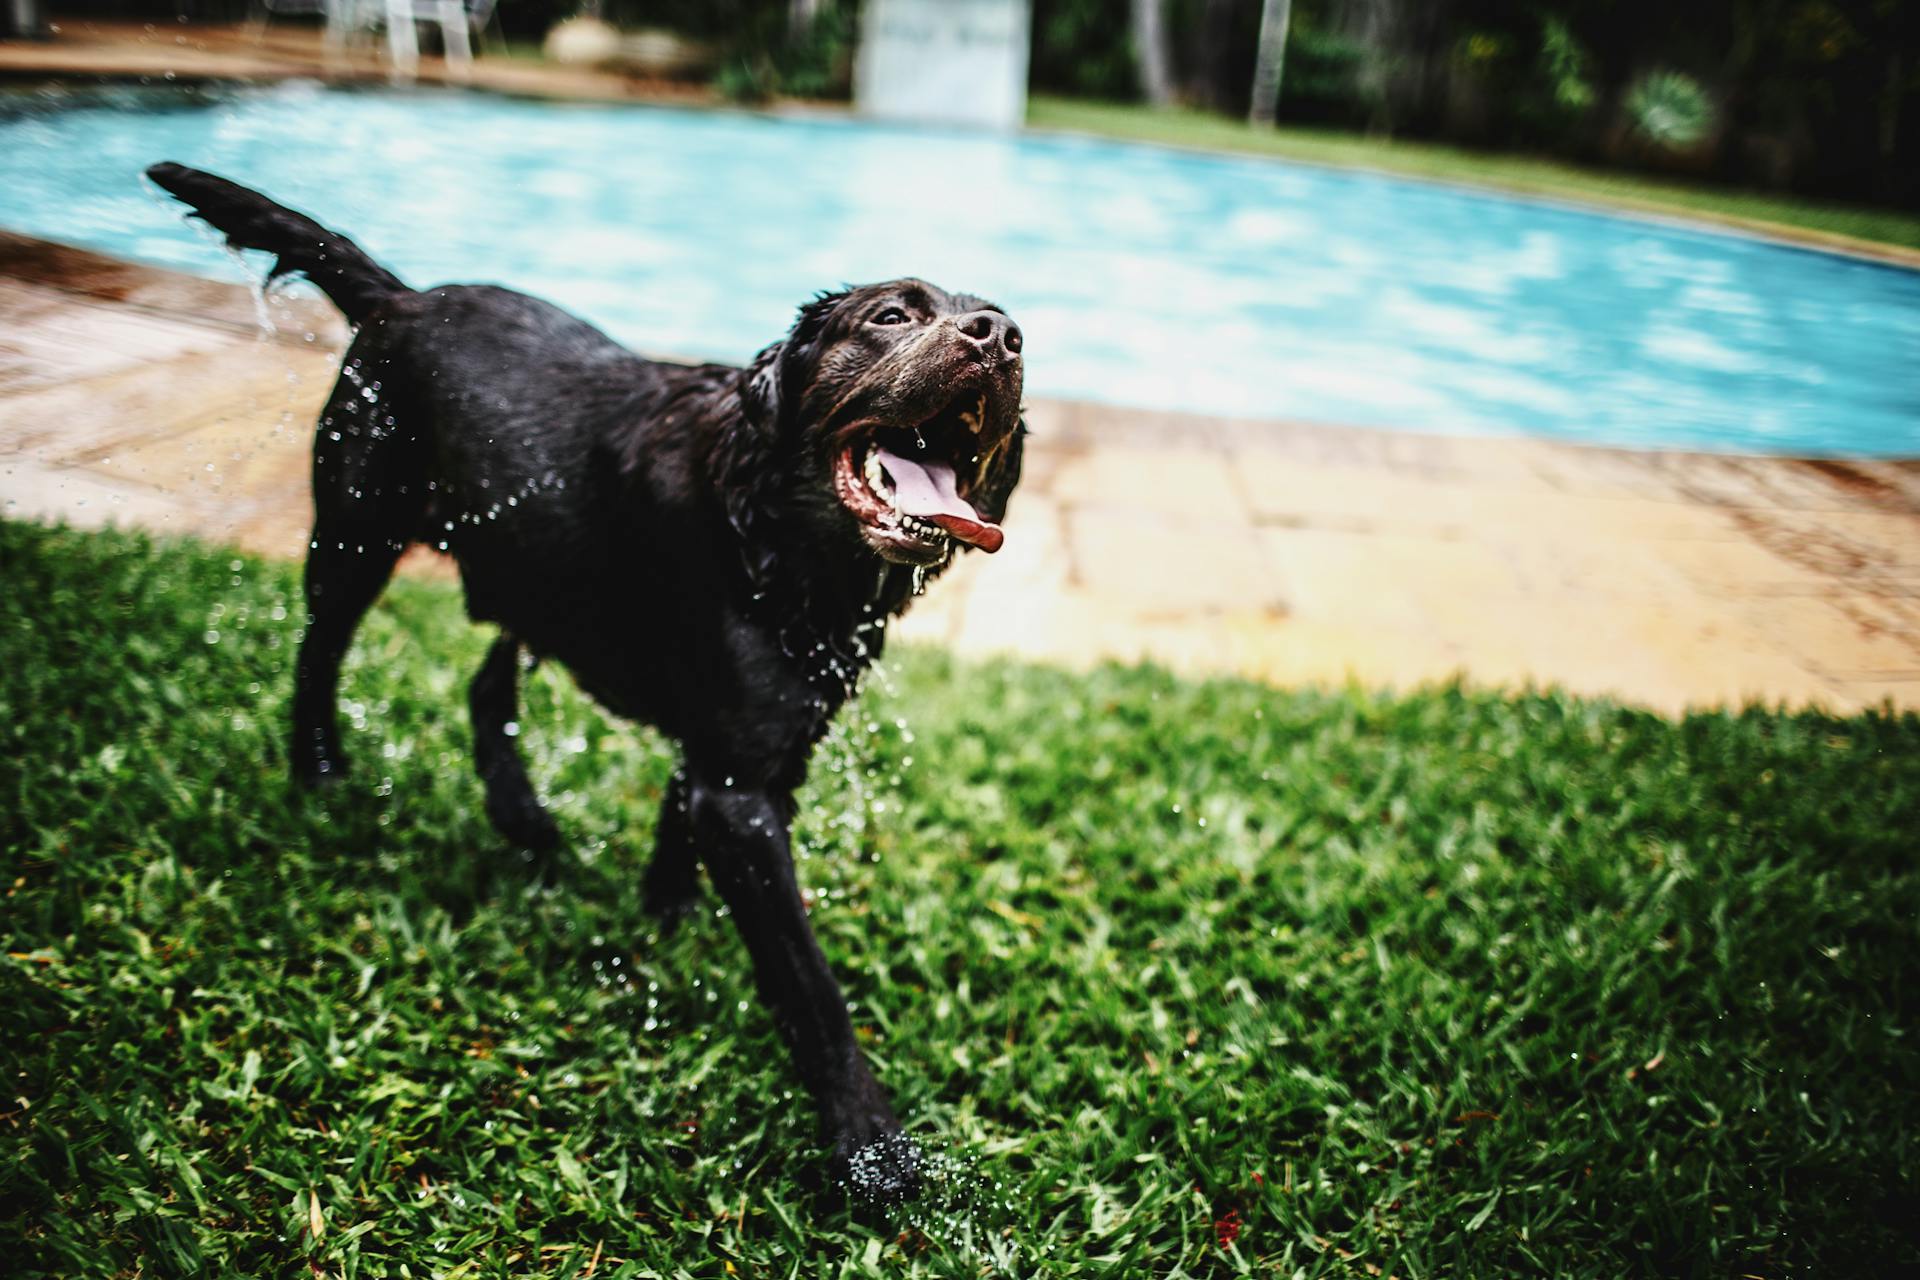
x=926, y=489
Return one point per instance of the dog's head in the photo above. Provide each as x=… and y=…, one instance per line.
x=897, y=406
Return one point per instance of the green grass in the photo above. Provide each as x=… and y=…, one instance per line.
x=1449, y=983
x=1528, y=175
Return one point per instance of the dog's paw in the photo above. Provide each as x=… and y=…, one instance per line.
x=669, y=896
x=882, y=1170
x=530, y=832
x=525, y=824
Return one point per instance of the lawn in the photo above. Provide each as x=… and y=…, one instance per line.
x=1168, y=977
x=1821, y=221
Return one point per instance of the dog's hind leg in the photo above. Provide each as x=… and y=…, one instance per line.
x=344, y=576
x=345, y=573
x=368, y=505
x=672, y=886
x=493, y=698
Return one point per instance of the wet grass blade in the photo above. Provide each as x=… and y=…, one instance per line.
x=1167, y=977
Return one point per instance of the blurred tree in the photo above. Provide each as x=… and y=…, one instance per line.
x=1084, y=47
x=1269, y=61
x=1323, y=83
x=1406, y=48
x=1150, y=51
x=779, y=49
x=1214, y=51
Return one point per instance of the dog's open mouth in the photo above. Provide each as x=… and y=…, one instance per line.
x=908, y=486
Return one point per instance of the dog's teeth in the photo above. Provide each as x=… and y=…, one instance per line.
x=922, y=528
x=877, y=476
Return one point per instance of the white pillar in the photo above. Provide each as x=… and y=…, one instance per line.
x=403, y=43
x=944, y=61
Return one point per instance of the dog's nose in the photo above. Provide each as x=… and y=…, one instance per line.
x=993, y=331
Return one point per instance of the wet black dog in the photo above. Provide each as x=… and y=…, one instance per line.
x=712, y=550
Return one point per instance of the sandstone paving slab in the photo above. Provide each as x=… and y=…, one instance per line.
x=1158, y=565
x=1670, y=654
x=88, y=419
x=1376, y=579
x=50, y=337
x=1458, y=502
x=1886, y=696
x=35, y=490
x=1867, y=550
x=1750, y=569
x=63, y=273
x=1194, y=483
x=1846, y=641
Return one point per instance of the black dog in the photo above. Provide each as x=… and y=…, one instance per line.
x=713, y=550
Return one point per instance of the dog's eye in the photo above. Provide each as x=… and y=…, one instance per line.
x=892, y=315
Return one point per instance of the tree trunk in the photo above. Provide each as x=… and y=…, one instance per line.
x=800, y=16
x=1150, y=47
x=1269, y=59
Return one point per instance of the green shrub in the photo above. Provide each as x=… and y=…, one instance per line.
x=1671, y=110
x=1083, y=48
x=1563, y=65
x=1547, y=105
x=1323, y=80
x=763, y=59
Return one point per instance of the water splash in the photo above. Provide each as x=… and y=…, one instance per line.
x=257, y=290
x=960, y=1207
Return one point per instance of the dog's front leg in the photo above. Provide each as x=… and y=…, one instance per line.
x=742, y=832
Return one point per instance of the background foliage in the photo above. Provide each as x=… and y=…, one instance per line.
x=1817, y=96
x=1812, y=96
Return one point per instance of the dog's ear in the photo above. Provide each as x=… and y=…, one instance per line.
x=772, y=384
x=746, y=456
x=760, y=389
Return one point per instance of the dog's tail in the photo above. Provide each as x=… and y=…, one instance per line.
x=357, y=284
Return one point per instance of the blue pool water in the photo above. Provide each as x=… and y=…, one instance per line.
x=1142, y=276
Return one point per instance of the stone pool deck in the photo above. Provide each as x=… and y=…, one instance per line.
x=82, y=50
x=1287, y=552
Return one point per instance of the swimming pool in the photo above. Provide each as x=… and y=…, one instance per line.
x=1142, y=276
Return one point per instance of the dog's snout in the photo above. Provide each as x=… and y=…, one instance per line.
x=993, y=331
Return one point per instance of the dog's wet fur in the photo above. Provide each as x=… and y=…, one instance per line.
x=696, y=544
